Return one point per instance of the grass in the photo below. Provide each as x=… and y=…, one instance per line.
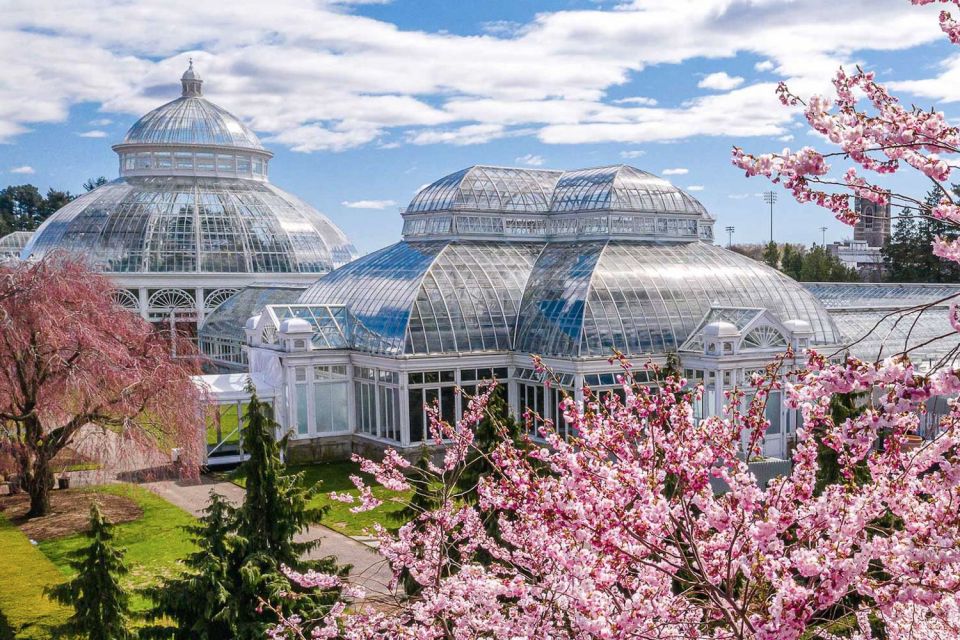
x=24, y=611
x=229, y=420
x=155, y=544
x=335, y=476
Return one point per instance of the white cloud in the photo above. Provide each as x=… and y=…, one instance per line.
x=638, y=100
x=720, y=81
x=765, y=65
x=695, y=187
x=632, y=154
x=680, y=171
x=530, y=160
x=311, y=75
x=738, y=196
x=786, y=138
x=95, y=133
x=101, y=122
x=470, y=134
x=23, y=170
x=368, y=204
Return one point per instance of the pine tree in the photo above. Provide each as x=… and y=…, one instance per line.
x=276, y=508
x=100, y=603
x=792, y=260
x=771, y=255
x=199, y=602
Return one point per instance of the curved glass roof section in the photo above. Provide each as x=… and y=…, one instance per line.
x=859, y=295
x=227, y=321
x=621, y=188
x=13, y=243
x=486, y=188
x=518, y=190
x=197, y=225
x=419, y=298
x=192, y=120
x=586, y=299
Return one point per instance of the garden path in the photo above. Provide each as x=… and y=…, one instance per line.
x=370, y=569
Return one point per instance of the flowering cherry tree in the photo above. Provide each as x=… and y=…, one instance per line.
x=649, y=524
x=71, y=358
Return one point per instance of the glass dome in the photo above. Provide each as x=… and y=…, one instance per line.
x=557, y=299
x=178, y=224
x=193, y=197
x=191, y=119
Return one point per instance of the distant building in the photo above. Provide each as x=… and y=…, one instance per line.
x=874, y=225
x=867, y=260
x=869, y=235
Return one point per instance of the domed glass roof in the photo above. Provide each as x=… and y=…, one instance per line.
x=184, y=224
x=558, y=299
x=193, y=206
x=192, y=120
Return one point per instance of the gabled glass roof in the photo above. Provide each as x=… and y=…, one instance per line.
x=874, y=335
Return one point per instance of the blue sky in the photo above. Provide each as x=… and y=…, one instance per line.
x=363, y=103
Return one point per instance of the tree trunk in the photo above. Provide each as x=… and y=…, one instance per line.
x=39, y=483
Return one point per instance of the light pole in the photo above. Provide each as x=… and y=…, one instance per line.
x=823, y=230
x=770, y=197
x=729, y=231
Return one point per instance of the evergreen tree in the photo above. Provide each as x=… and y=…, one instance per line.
x=101, y=605
x=199, y=602
x=93, y=183
x=276, y=508
x=792, y=260
x=771, y=255
x=901, y=255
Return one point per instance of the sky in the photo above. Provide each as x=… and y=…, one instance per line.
x=365, y=102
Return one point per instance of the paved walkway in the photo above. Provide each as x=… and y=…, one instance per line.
x=369, y=571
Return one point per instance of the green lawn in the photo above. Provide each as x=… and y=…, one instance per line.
x=335, y=476
x=24, y=611
x=155, y=544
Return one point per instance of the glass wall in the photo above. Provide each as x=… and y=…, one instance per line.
x=320, y=399
x=377, y=400
x=428, y=388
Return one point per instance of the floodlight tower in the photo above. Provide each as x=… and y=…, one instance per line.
x=770, y=197
x=823, y=230
x=729, y=231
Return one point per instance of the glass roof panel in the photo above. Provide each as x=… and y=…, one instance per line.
x=621, y=188
x=470, y=298
x=587, y=299
x=852, y=295
x=878, y=337
x=380, y=290
x=484, y=188
x=192, y=121
x=228, y=319
x=186, y=224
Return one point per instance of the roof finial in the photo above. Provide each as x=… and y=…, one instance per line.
x=192, y=84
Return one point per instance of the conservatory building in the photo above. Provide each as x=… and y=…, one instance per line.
x=193, y=217
x=497, y=265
